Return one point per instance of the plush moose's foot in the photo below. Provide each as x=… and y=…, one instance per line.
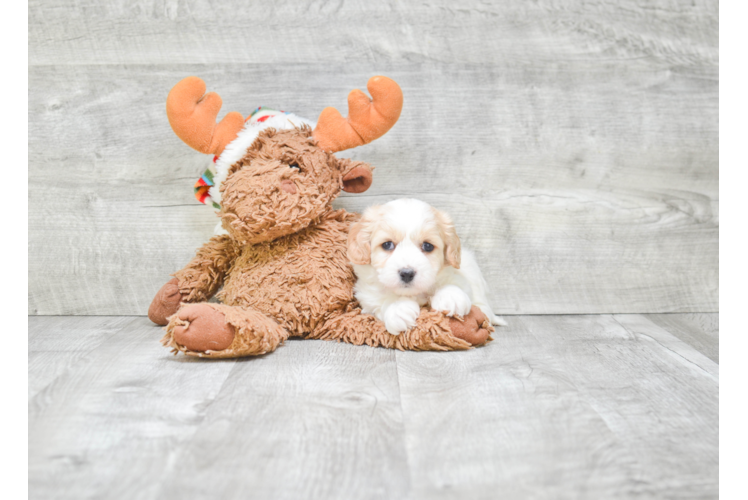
x=200, y=328
x=165, y=303
x=473, y=328
x=222, y=331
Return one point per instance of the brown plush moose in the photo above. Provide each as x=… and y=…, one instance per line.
x=282, y=256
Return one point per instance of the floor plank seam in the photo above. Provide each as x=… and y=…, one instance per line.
x=671, y=351
x=408, y=459
x=186, y=440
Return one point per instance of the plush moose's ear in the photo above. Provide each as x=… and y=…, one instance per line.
x=357, y=176
x=357, y=180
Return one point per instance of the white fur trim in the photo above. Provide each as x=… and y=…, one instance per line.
x=237, y=148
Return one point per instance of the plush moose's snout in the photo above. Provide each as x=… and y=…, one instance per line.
x=288, y=186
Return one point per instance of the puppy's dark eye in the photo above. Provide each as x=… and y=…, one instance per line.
x=427, y=247
x=296, y=166
x=388, y=245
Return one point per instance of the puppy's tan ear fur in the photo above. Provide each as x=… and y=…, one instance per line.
x=359, y=238
x=451, y=240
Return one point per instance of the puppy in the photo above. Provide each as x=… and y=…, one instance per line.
x=406, y=254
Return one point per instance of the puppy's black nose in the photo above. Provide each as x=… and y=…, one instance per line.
x=407, y=275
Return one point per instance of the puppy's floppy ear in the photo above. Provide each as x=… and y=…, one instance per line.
x=451, y=240
x=359, y=238
x=357, y=175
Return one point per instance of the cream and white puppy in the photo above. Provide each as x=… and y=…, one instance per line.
x=406, y=254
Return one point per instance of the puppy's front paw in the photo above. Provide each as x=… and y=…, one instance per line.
x=401, y=315
x=451, y=300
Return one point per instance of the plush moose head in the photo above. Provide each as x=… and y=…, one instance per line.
x=273, y=173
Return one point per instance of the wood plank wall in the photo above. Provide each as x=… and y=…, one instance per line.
x=574, y=143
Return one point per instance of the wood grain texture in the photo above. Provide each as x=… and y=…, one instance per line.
x=106, y=426
x=562, y=407
x=312, y=420
x=576, y=146
x=555, y=407
x=700, y=331
x=320, y=32
x=59, y=344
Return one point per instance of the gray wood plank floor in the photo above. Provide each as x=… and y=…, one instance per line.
x=600, y=406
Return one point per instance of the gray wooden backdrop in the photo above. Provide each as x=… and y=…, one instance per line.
x=575, y=143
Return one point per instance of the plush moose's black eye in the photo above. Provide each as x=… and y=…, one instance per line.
x=296, y=166
x=427, y=247
x=388, y=245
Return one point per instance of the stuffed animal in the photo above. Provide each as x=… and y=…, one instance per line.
x=280, y=253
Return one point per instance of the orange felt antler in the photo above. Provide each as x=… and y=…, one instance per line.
x=367, y=119
x=192, y=114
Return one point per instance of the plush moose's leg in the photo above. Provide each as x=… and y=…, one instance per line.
x=434, y=331
x=197, y=282
x=474, y=328
x=221, y=331
x=203, y=276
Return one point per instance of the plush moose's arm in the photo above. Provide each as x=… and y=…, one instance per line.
x=198, y=281
x=204, y=275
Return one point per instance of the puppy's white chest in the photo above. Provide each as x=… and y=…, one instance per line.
x=422, y=299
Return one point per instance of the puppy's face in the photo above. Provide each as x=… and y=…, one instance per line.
x=407, y=242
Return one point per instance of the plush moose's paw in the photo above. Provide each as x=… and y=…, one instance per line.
x=451, y=300
x=202, y=328
x=165, y=303
x=474, y=327
x=401, y=315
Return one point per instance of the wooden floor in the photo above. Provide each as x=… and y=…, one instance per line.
x=598, y=406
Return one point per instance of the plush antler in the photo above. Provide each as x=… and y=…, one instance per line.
x=192, y=114
x=367, y=119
